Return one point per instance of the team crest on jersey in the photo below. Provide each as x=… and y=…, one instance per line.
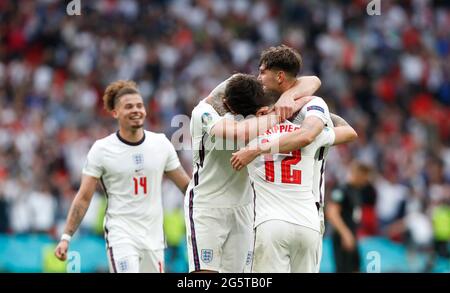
x=122, y=265
x=249, y=258
x=138, y=160
x=207, y=255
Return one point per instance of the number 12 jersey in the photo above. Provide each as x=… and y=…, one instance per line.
x=282, y=183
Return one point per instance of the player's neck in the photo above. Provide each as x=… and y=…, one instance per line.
x=132, y=136
x=287, y=84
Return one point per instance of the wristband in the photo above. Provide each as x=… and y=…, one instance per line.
x=66, y=237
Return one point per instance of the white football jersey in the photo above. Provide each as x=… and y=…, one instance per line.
x=317, y=107
x=131, y=175
x=283, y=183
x=214, y=182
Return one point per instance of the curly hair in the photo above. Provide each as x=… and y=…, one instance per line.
x=244, y=94
x=283, y=58
x=117, y=89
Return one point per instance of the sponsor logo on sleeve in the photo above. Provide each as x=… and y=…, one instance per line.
x=315, y=107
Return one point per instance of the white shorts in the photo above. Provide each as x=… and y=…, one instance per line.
x=319, y=253
x=319, y=247
x=283, y=247
x=127, y=259
x=219, y=239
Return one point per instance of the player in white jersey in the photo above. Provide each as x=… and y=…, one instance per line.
x=218, y=203
x=277, y=72
x=287, y=224
x=130, y=165
x=313, y=108
x=319, y=166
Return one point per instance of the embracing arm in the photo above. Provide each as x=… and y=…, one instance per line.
x=344, y=132
x=338, y=120
x=311, y=127
x=303, y=87
x=217, y=95
x=285, y=107
x=246, y=130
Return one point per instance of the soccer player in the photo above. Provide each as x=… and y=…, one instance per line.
x=278, y=67
x=319, y=168
x=218, y=203
x=287, y=224
x=130, y=164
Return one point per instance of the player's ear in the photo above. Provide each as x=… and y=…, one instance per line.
x=280, y=77
x=262, y=111
x=114, y=113
x=225, y=102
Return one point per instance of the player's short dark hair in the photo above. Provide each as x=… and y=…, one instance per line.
x=244, y=94
x=282, y=58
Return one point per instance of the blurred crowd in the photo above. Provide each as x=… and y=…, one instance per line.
x=388, y=75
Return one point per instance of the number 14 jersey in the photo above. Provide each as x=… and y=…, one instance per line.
x=131, y=175
x=282, y=183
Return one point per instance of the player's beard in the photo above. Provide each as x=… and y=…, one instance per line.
x=140, y=123
x=136, y=127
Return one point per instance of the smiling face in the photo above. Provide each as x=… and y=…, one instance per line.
x=130, y=112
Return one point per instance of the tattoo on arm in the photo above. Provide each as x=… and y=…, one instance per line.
x=218, y=105
x=217, y=95
x=338, y=120
x=76, y=215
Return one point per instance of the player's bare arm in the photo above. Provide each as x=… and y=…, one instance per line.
x=338, y=120
x=216, y=97
x=303, y=87
x=246, y=130
x=343, y=131
x=302, y=137
x=179, y=177
x=333, y=213
x=287, y=143
x=77, y=211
